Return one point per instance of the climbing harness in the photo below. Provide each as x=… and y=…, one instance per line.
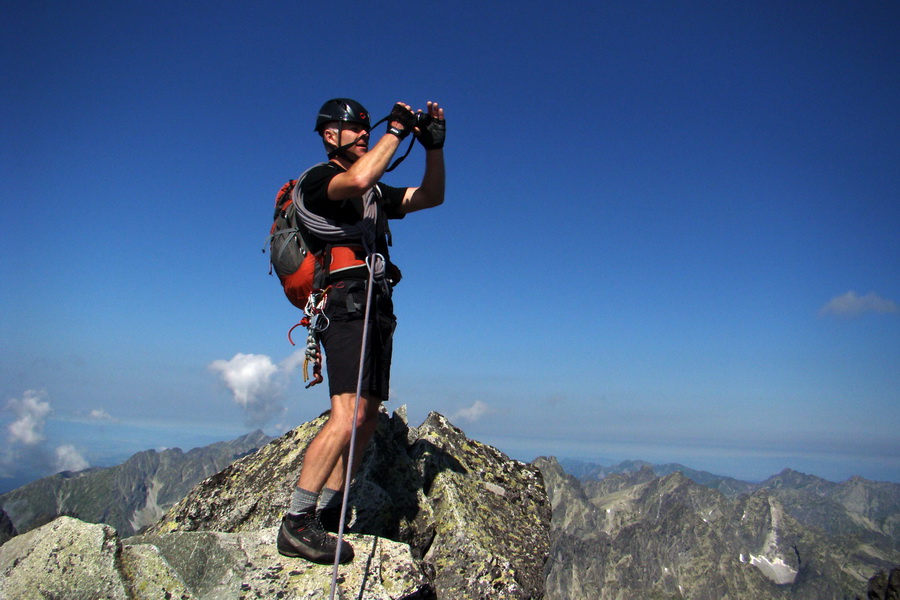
x=372, y=262
x=316, y=322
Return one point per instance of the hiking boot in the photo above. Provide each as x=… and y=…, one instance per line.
x=330, y=518
x=303, y=536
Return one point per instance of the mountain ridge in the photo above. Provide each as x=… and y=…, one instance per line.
x=128, y=496
x=634, y=534
x=855, y=506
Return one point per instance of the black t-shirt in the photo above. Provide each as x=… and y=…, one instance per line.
x=314, y=188
x=315, y=197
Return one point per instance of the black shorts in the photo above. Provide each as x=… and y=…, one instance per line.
x=345, y=310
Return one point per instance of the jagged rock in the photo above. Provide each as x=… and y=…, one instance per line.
x=885, y=585
x=75, y=560
x=858, y=510
x=768, y=539
x=868, y=511
x=572, y=509
x=477, y=520
x=669, y=537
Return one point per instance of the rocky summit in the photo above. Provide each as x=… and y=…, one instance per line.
x=433, y=515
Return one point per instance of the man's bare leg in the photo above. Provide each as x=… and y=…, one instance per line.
x=301, y=533
x=325, y=460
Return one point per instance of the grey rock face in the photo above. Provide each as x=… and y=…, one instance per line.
x=636, y=535
x=868, y=511
x=885, y=585
x=64, y=559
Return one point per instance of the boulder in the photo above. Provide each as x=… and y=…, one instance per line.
x=66, y=558
x=71, y=559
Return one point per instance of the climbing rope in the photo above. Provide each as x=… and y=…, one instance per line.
x=372, y=263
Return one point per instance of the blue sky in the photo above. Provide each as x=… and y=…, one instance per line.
x=670, y=230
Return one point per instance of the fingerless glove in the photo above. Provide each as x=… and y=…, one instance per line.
x=405, y=117
x=432, y=135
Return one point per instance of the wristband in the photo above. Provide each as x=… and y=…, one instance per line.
x=400, y=133
x=403, y=115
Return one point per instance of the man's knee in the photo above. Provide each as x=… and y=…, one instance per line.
x=342, y=412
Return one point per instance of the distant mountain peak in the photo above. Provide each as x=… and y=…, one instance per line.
x=127, y=496
x=636, y=534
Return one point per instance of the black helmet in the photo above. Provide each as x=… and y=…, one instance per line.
x=342, y=109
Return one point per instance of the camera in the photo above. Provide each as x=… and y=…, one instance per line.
x=422, y=119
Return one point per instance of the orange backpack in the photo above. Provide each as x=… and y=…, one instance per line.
x=289, y=253
x=299, y=269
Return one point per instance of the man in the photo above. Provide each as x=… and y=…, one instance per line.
x=345, y=209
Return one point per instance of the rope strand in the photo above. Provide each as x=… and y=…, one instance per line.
x=374, y=258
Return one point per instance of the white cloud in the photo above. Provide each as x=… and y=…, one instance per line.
x=31, y=412
x=472, y=413
x=98, y=414
x=248, y=376
x=852, y=305
x=257, y=384
x=24, y=450
x=70, y=459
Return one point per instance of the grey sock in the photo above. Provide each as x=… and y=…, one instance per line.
x=303, y=501
x=330, y=499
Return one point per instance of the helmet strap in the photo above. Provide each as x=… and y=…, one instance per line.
x=342, y=150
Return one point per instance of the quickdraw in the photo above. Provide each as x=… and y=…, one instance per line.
x=315, y=321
